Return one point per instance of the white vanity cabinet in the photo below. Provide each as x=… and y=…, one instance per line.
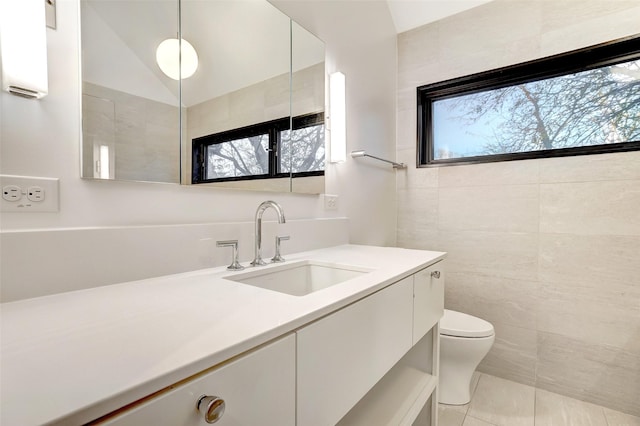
x=342, y=356
x=375, y=362
x=257, y=389
x=371, y=363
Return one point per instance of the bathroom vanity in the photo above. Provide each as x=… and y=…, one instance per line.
x=351, y=339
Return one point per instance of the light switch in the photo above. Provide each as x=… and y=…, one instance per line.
x=330, y=202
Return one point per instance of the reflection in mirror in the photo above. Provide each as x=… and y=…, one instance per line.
x=238, y=125
x=307, y=147
x=130, y=108
x=255, y=68
x=241, y=87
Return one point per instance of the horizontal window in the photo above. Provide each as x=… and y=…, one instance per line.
x=581, y=102
x=261, y=151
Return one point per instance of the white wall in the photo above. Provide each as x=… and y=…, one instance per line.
x=42, y=138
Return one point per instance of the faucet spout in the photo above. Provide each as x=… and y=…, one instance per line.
x=257, y=261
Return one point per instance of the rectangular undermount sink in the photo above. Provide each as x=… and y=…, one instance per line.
x=299, y=278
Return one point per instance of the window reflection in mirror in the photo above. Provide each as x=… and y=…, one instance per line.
x=304, y=154
x=274, y=68
x=262, y=151
x=237, y=158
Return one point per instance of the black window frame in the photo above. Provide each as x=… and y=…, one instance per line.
x=273, y=128
x=601, y=55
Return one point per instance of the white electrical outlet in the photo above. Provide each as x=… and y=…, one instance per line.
x=11, y=193
x=330, y=202
x=35, y=193
x=29, y=194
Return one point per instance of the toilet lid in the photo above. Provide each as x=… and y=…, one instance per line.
x=457, y=324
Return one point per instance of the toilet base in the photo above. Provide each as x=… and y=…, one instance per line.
x=457, y=388
x=458, y=361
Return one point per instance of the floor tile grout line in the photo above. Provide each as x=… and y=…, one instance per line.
x=535, y=401
x=606, y=419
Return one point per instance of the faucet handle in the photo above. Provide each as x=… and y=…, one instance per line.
x=277, y=257
x=235, y=265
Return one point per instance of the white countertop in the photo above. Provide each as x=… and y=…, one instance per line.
x=79, y=355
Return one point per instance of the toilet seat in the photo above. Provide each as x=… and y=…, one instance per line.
x=458, y=324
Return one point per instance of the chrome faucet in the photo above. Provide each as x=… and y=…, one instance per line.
x=257, y=261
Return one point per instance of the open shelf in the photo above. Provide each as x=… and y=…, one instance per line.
x=396, y=400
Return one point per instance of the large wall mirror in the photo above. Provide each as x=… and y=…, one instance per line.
x=247, y=114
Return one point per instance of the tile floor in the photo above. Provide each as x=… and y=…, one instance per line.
x=500, y=402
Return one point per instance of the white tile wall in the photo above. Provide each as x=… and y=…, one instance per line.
x=600, y=208
x=506, y=208
x=144, y=134
x=547, y=250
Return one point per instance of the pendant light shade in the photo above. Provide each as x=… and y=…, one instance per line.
x=169, y=58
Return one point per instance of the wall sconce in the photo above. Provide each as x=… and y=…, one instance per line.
x=176, y=64
x=23, y=38
x=338, y=119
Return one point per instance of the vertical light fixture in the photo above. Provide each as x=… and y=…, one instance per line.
x=337, y=107
x=104, y=165
x=23, y=46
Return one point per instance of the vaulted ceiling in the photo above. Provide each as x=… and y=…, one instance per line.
x=409, y=14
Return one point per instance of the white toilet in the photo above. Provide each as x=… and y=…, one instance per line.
x=464, y=341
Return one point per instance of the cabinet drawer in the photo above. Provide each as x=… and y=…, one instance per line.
x=258, y=389
x=428, y=302
x=342, y=356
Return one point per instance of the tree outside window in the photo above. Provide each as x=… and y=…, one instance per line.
x=484, y=119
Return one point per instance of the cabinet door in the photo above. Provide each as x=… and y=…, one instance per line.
x=342, y=356
x=428, y=302
x=258, y=389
